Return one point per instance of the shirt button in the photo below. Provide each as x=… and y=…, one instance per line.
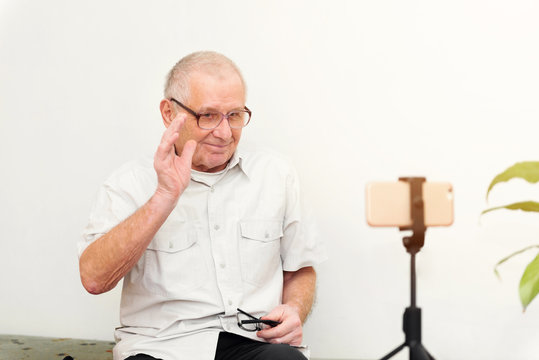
x=222, y=266
x=212, y=189
x=216, y=227
x=230, y=302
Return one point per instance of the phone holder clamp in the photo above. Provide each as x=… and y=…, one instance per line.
x=413, y=244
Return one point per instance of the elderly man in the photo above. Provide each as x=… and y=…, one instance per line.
x=210, y=241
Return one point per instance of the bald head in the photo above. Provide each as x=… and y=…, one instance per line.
x=209, y=62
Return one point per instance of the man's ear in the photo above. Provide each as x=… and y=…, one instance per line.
x=167, y=112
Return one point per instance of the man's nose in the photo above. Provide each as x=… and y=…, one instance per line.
x=223, y=130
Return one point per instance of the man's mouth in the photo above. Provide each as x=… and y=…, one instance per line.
x=217, y=146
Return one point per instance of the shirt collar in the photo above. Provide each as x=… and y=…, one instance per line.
x=240, y=158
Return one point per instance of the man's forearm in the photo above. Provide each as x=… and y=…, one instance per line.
x=106, y=261
x=299, y=290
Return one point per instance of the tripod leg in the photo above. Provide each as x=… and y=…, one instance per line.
x=418, y=352
x=394, y=352
x=430, y=356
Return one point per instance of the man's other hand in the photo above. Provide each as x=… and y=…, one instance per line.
x=290, y=330
x=173, y=171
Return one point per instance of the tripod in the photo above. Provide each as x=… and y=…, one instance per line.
x=411, y=323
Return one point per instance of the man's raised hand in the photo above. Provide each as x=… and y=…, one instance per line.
x=173, y=171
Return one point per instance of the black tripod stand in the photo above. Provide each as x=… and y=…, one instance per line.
x=411, y=323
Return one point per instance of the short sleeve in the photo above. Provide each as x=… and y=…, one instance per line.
x=301, y=245
x=110, y=208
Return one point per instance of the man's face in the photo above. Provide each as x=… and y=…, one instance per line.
x=220, y=91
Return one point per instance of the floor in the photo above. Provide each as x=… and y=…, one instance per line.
x=13, y=347
x=16, y=347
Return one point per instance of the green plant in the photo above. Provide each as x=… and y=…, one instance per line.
x=529, y=171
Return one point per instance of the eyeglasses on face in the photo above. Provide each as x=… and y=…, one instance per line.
x=209, y=120
x=249, y=322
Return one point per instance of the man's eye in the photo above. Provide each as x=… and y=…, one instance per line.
x=206, y=115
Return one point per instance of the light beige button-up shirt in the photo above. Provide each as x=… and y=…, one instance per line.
x=224, y=246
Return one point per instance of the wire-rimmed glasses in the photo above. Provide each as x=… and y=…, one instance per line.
x=249, y=322
x=209, y=120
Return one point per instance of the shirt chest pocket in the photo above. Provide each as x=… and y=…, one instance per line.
x=260, y=250
x=174, y=263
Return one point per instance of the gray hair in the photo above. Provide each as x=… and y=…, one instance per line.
x=177, y=82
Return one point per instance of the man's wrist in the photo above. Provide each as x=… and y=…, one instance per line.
x=295, y=307
x=162, y=201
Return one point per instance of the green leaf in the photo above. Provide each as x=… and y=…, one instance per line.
x=510, y=256
x=523, y=205
x=527, y=170
x=529, y=284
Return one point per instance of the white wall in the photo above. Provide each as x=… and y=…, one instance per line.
x=352, y=91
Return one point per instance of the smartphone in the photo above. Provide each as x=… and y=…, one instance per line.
x=388, y=203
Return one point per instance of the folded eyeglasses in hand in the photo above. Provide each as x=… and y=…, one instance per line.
x=249, y=322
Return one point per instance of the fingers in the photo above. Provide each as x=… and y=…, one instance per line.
x=187, y=153
x=171, y=134
x=292, y=338
x=282, y=334
x=288, y=332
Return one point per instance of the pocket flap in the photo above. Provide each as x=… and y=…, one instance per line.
x=173, y=237
x=262, y=230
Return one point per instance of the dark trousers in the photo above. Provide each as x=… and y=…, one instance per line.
x=235, y=347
